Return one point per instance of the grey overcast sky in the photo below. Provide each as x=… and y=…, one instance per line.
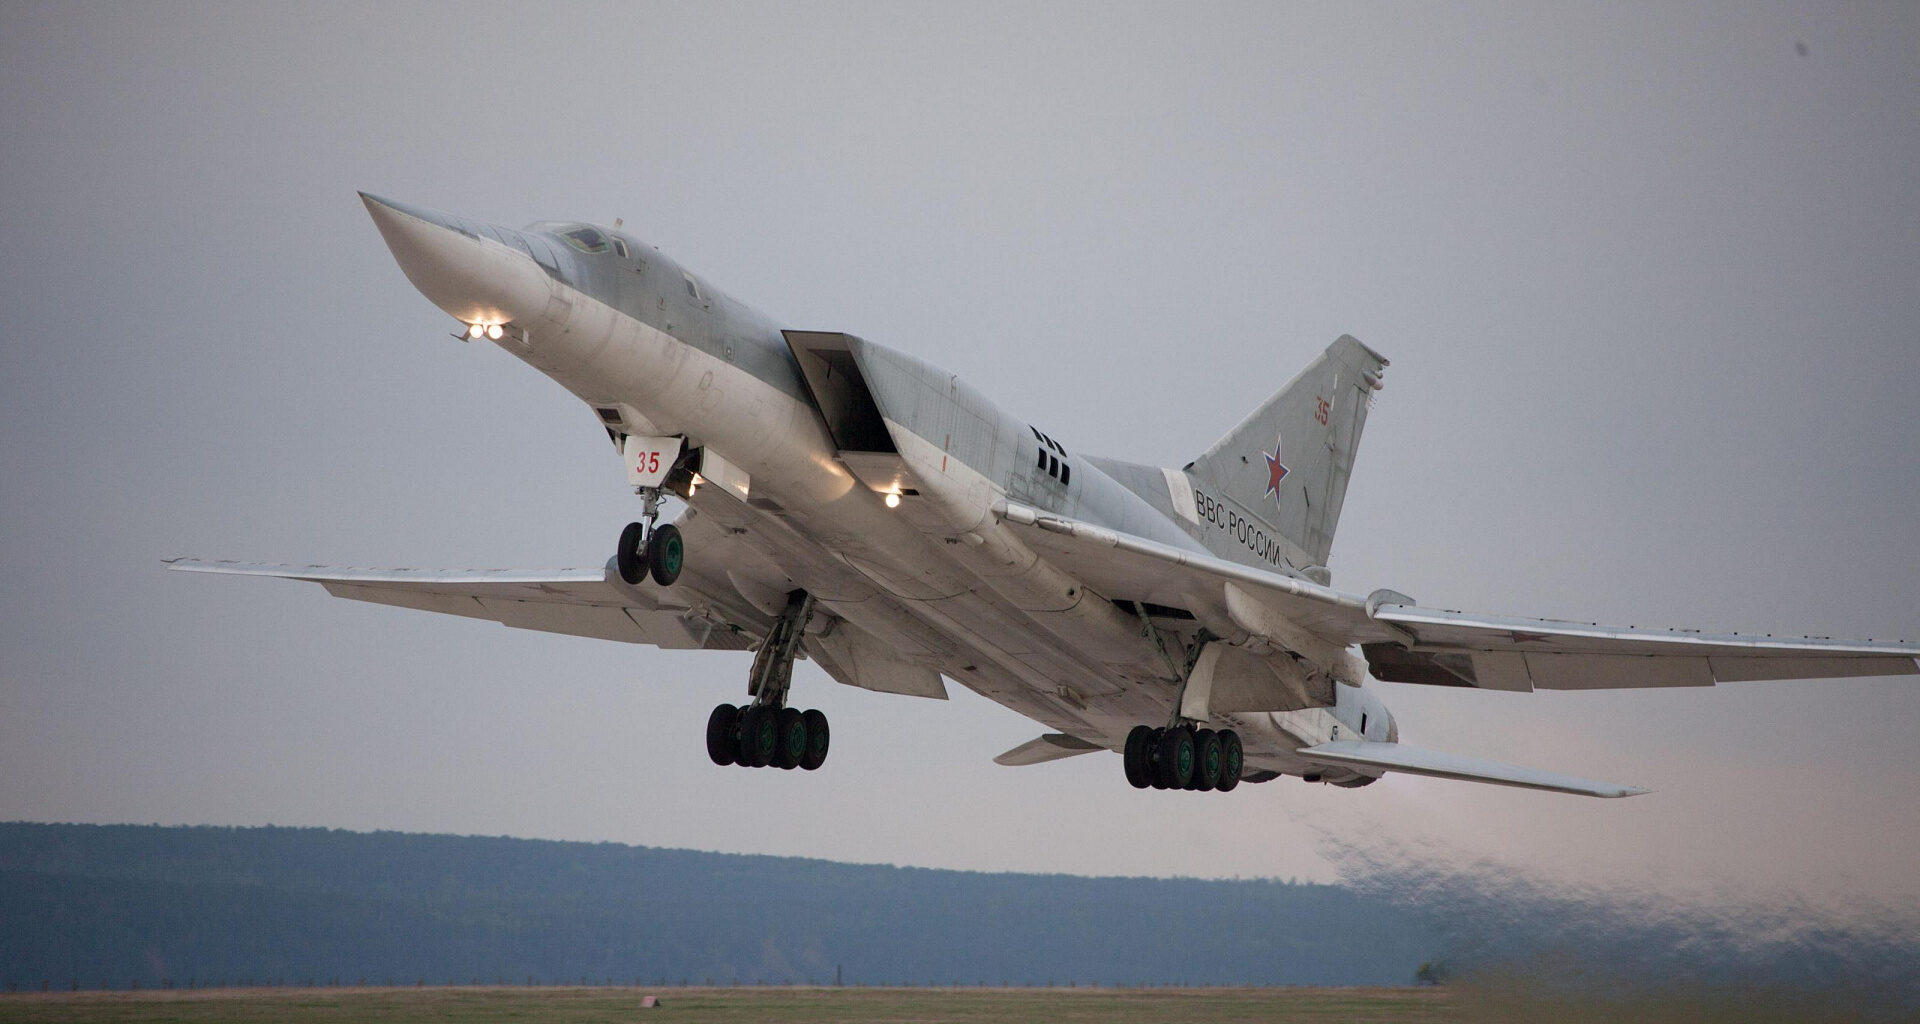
x=1649, y=275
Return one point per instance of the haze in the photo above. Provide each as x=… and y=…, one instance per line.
x=1646, y=275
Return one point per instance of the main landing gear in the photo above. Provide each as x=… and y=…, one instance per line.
x=1182, y=757
x=651, y=548
x=767, y=732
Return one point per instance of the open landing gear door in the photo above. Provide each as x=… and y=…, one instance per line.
x=650, y=459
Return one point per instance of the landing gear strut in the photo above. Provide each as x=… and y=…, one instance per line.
x=766, y=732
x=651, y=547
x=1182, y=755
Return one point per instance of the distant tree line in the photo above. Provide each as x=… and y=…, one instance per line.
x=128, y=904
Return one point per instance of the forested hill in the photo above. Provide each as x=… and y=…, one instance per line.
x=115, y=904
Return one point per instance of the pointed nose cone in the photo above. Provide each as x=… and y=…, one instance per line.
x=479, y=280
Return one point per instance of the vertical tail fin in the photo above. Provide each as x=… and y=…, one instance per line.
x=1285, y=467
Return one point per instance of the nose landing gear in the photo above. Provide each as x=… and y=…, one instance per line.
x=651, y=548
x=767, y=732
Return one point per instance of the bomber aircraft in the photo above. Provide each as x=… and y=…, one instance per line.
x=849, y=503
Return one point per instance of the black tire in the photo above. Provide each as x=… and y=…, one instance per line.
x=759, y=736
x=666, y=554
x=723, y=734
x=1233, y=760
x=1208, y=760
x=631, y=556
x=792, y=743
x=818, y=738
x=1137, y=757
x=1154, y=780
x=1176, y=758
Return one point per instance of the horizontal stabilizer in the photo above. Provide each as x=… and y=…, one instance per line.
x=1051, y=747
x=1395, y=757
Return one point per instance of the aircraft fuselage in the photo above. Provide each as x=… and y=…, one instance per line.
x=938, y=577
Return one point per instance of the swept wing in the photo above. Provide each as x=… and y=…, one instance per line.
x=1405, y=642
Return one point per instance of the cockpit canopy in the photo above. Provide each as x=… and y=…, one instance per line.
x=584, y=237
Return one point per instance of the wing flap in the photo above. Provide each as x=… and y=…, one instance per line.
x=1787, y=666
x=1397, y=757
x=1435, y=627
x=1510, y=653
x=1051, y=747
x=666, y=630
x=574, y=602
x=415, y=598
x=1614, y=671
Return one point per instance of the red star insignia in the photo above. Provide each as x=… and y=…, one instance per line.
x=1275, y=471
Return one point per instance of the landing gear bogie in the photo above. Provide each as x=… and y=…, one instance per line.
x=762, y=736
x=1183, y=758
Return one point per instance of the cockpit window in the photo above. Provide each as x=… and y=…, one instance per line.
x=585, y=239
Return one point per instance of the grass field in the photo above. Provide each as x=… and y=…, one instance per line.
x=1489, y=1001
x=726, y=1005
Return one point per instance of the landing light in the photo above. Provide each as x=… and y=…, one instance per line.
x=475, y=330
x=494, y=332
x=893, y=501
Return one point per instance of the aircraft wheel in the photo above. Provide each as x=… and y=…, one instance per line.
x=1207, y=760
x=630, y=556
x=666, y=553
x=759, y=736
x=1136, y=757
x=1154, y=778
x=1176, y=758
x=1232, y=760
x=817, y=740
x=723, y=734
x=792, y=744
